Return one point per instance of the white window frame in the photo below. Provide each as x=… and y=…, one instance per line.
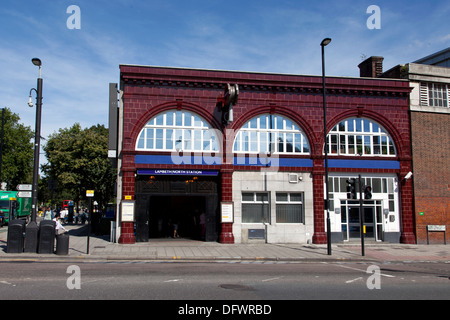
x=176, y=130
x=434, y=95
x=274, y=134
x=289, y=201
x=360, y=136
x=438, y=95
x=255, y=201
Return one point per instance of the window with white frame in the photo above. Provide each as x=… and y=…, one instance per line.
x=255, y=207
x=289, y=207
x=359, y=136
x=269, y=133
x=434, y=95
x=178, y=130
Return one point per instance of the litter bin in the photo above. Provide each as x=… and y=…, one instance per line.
x=16, y=230
x=62, y=244
x=46, y=236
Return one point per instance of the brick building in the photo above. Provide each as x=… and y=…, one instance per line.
x=260, y=176
x=430, y=135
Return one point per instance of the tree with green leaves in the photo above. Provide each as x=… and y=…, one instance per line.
x=78, y=161
x=17, y=152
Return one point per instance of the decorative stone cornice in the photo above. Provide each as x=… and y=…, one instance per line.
x=261, y=82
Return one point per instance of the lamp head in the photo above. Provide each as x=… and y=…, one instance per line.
x=325, y=42
x=36, y=61
x=30, y=103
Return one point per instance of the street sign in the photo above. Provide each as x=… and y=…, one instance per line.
x=24, y=187
x=89, y=193
x=436, y=228
x=24, y=194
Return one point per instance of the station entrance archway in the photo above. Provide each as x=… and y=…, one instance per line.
x=181, y=213
x=166, y=201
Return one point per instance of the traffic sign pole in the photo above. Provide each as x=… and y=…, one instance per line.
x=361, y=216
x=89, y=194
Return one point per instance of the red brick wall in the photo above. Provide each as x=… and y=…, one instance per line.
x=430, y=136
x=320, y=235
x=149, y=91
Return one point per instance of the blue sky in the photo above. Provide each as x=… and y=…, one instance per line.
x=281, y=36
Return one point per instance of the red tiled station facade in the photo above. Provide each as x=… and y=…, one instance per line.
x=148, y=91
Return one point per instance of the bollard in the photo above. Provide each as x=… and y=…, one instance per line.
x=46, y=236
x=62, y=244
x=16, y=230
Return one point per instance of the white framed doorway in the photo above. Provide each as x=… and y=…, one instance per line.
x=373, y=220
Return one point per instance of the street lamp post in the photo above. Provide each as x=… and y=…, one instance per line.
x=323, y=44
x=32, y=228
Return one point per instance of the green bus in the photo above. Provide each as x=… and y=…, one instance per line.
x=12, y=207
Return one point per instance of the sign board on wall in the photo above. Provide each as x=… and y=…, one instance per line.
x=179, y=172
x=227, y=212
x=127, y=211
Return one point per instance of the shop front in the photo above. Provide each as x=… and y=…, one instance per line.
x=380, y=214
x=177, y=203
x=190, y=167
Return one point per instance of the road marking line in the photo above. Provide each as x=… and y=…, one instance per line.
x=7, y=283
x=350, y=281
x=174, y=280
x=271, y=279
x=356, y=269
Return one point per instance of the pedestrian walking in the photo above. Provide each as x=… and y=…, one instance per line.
x=59, y=228
x=48, y=214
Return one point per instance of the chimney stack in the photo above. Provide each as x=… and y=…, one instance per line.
x=371, y=67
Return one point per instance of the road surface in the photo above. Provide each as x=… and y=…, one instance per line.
x=257, y=280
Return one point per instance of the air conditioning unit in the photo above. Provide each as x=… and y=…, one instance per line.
x=293, y=178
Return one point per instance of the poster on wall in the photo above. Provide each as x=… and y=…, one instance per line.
x=227, y=212
x=127, y=211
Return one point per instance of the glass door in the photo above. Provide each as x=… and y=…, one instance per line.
x=350, y=220
x=369, y=222
x=354, y=227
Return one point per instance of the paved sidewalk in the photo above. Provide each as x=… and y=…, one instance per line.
x=188, y=250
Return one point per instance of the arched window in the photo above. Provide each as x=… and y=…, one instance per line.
x=178, y=130
x=359, y=136
x=269, y=133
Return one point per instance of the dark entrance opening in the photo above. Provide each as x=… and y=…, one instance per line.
x=166, y=201
x=177, y=216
